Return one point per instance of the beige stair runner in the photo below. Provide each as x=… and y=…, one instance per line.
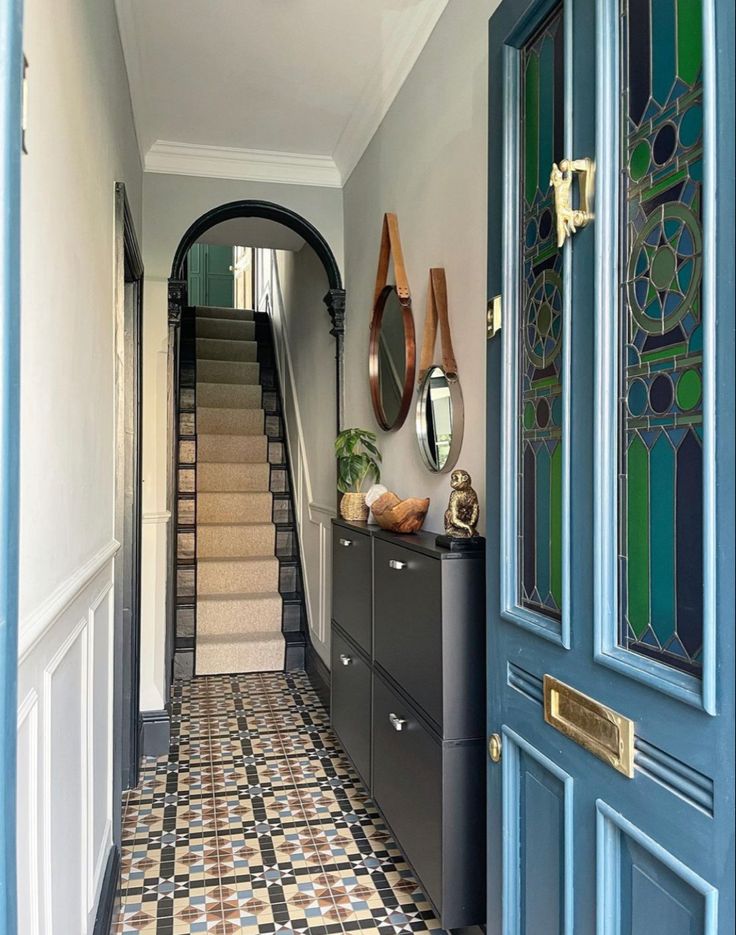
x=239, y=607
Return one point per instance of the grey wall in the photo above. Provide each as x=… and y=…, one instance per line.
x=427, y=163
x=306, y=351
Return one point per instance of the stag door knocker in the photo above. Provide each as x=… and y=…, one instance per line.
x=569, y=219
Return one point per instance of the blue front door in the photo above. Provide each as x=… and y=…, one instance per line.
x=611, y=468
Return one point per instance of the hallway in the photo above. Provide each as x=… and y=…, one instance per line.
x=257, y=823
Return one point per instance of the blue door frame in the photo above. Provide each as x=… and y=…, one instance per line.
x=11, y=76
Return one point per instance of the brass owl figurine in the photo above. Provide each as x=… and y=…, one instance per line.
x=461, y=516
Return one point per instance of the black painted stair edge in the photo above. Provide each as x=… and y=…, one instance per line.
x=296, y=640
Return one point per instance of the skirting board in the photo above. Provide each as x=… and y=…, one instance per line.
x=108, y=893
x=319, y=674
x=155, y=733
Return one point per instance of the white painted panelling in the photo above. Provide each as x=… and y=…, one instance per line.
x=65, y=734
x=28, y=815
x=65, y=785
x=100, y=739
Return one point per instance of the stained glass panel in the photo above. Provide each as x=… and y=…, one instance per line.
x=661, y=344
x=540, y=324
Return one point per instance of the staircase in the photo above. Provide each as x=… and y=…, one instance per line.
x=249, y=607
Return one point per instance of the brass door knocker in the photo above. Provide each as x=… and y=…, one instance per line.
x=569, y=219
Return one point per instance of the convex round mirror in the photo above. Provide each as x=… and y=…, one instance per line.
x=440, y=420
x=392, y=358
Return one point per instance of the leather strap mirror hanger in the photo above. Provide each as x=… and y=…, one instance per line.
x=392, y=349
x=440, y=412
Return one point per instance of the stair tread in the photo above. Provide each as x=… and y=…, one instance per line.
x=252, y=636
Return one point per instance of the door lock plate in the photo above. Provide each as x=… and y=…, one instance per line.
x=602, y=731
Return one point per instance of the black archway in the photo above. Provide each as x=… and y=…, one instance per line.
x=270, y=212
x=250, y=208
x=178, y=300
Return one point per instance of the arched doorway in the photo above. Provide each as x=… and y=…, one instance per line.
x=334, y=298
x=178, y=300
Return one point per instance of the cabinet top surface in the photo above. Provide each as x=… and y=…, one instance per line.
x=423, y=541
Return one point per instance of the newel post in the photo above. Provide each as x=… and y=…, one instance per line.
x=177, y=301
x=335, y=302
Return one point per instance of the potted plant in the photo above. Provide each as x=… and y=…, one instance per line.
x=357, y=460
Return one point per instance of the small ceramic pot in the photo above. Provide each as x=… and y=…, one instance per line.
x=353, y=507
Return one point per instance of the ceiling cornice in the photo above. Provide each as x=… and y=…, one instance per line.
x=253, y=165
x=399, y=57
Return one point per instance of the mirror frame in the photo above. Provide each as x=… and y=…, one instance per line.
x=458, y=421
x=410, y=347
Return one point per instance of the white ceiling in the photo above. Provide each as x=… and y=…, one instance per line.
x=253, y=232
x=267, y=78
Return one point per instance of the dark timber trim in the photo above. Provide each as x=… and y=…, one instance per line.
x=155, y=733
x=108, y=893
x=319, y=674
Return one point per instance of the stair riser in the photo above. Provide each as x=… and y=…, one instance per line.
x=234, y=508
x=229, y=396
x=228, y=371
x=218, y=618
x=230, y=421
x=223, y=448
x=263, y=656
x=235, y=541
x=233, y=314
x=232, y=477
x=225, y=329
x=219, y=349
x=253, y=577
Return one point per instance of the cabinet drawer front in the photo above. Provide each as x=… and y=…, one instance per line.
x=351, y=584
x=407, y=784
x=408, y=623
x=351, y=703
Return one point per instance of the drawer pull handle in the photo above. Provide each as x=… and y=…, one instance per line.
x=397, y=566
x=398, y=723
x=345, y=660
x=346, y=542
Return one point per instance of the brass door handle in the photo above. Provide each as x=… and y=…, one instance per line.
x=569, y=219
x=494, y=748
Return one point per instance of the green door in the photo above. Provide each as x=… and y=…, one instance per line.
x=210, y=275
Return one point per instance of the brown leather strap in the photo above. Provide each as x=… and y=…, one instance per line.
x=437, y=313
x=391, y=247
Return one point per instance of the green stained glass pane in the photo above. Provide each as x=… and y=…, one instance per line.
x=540, y=335
x=660, y=352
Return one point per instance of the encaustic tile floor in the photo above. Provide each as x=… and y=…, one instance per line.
x=256, y=823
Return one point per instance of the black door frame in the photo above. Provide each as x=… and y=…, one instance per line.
x=128, y=505
x=178, y=300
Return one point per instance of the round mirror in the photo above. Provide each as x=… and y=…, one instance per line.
x=392, y=358
x=440, y=420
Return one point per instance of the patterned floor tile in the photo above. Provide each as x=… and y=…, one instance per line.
x=257, y=824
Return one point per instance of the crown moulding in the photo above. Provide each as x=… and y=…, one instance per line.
x=255, y=165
